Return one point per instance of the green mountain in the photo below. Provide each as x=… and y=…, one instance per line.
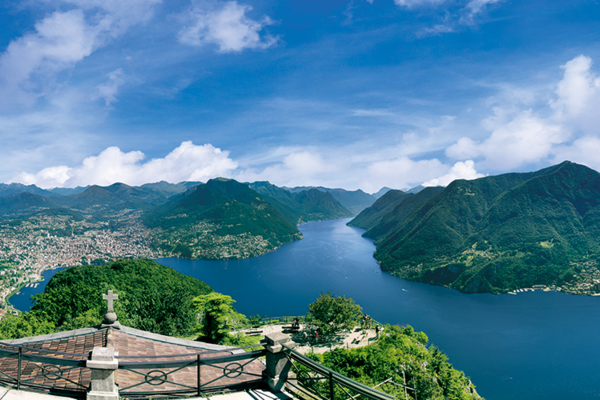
x=355, y=201
x=13, y=188
x=152, y=297
x=118, y=196
x=385, y=204
x=67, y=191
x=321, y=205
x=381, y=192
x=22, y=203
x=167, y=189
x=222, y=219
x=301, y=206
x=400, y=211
x=500, y=233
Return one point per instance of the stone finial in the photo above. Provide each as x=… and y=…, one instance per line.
x=110, y=318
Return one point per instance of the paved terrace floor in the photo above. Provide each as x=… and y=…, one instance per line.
x=347, y=340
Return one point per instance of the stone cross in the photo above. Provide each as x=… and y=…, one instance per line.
x=110, y=297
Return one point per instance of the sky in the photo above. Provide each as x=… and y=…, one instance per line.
x=356, y=94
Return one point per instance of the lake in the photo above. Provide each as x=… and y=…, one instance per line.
x=534, y=345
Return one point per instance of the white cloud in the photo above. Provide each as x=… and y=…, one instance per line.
x=473, y=8
x=372, y=113
x=578, y=94
x=228, y=27
x=31, y=62
x=460, y=170
x=401, y=172
x=583, y=151
x=435, y=30
x=188, y=162
x=519, y=137
x=60, y=40
x=298, y=168
x=418, y=3
x=108, y=90
x=524, y=139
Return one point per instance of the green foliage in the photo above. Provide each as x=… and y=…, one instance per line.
x=370, y=216
x=24, y=325
x=303, y=206
x=152, y=297
x=218, y=220
x=219, y=317
x=334, y=314
x=401, y=350
x=497, y=233
x=255, y=319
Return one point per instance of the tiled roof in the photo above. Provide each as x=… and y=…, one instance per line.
x=132, y=346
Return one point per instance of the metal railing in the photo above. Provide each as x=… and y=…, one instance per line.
x=63, y=373
x=196, y=373
x=318, y=382
x=137, y=376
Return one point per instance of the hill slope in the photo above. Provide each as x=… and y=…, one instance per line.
x=500, y=233
x=354, y=201
x=401, y=211
x=222, y=219
x=302, y=206
x=18, y=204
x=385, y=204
x=152, y=297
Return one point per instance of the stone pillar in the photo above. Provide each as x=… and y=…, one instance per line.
x=103, y=365
x=278, y=365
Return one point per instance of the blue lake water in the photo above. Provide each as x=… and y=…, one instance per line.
x=22, y=299
x=535, y=345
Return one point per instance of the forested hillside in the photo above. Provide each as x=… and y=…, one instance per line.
x=500, y=233
x=152, y=297
x=222, y=219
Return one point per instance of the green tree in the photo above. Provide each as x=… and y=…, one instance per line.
x=334, y=314
x=219, y=316
x=24, y=325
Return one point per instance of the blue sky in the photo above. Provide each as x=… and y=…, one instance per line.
x=352, y=93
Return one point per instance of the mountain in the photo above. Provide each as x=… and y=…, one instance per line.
x=118, y=196
x=402, y=209
x=13, y=188
x=416, y=189
x=355, y=201
x=385, y=204
x=301, y=206
x=67, y=191
x=321, y=205
x=500, y=233
x=167, y=189
x=381, y=192
x=222, y=219
x=24, y=203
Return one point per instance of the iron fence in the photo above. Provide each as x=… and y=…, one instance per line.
x=310, y=379
x=197, y=373
x=62, y=373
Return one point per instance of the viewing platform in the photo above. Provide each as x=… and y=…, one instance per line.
x=112, y=362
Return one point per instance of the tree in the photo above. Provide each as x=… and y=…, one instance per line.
x=24, y=325
x=334, y=314
x=219, y=316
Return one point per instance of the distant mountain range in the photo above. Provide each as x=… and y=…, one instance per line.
x=219, y=219
x=492, y=234
x=355, y=201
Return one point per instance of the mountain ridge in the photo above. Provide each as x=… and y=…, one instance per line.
x=499, y=233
